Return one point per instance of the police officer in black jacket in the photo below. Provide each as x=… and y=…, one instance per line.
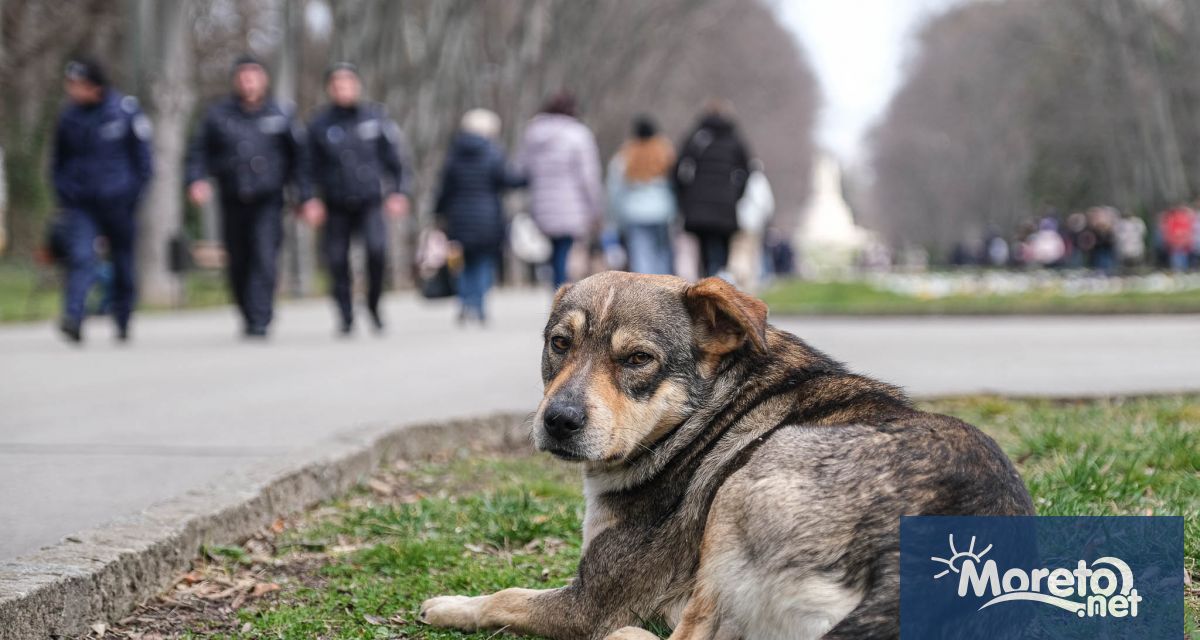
x=101, y=165
x=359, y=166
x=253, y=147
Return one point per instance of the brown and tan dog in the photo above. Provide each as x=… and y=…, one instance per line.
x=739, y=483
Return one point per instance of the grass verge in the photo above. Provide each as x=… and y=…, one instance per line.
x=360, y=566
x=30, y=294
x=861, y=298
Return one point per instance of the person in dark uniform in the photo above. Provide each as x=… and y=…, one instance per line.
x=254, y=148
x=359, y=166
x=101, y=165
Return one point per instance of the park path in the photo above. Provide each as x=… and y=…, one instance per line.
x=90, y=434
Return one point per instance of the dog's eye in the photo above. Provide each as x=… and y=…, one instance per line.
x=560, y=344
x=638, y=359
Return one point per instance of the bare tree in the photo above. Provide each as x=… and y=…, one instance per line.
x=167, y=50
x=1016, y=108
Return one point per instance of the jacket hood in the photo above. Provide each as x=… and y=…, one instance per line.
x=716, y=122
x=470, y=145
x=545, y=127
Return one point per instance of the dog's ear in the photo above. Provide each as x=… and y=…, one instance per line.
x=725, y=318
x=558, y=295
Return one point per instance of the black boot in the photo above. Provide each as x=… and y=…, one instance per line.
x=72, y=330
x=376, y=320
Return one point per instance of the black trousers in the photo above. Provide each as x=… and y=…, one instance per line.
x=253, y=233
x=341, y=225
x=714, y=252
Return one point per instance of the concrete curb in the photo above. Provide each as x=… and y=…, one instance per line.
x=100, y=574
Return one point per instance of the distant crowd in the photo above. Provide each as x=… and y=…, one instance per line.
x=1099, y=239
x=348, y=168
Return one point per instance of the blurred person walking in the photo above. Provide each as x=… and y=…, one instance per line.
x=562, y=163
x=754, y=212
x=640, y=199
x=359, y=166
x=474, y=178
x=1102, y=222
x=101, y=165
x=1131, y=241
x=1178, y=236
x=1046, y=246
x=710, y=178
x=254, y=147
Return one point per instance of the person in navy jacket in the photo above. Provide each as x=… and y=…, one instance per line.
x=360, y=166
x=254, y=147
x=101, y=164
x=470, y=207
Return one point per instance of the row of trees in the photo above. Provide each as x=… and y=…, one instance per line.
x=1016, y=107
x=428, y=60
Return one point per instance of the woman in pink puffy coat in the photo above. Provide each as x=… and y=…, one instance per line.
x=559, y=157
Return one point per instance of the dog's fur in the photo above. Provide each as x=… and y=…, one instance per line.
x=739, y=483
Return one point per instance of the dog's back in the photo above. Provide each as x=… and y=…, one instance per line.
x=803, y=537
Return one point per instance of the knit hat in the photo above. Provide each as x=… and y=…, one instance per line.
x=340, y=66
x=87, y=70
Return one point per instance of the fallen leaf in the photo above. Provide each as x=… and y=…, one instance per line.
x=191, y=577
x=100, y=628
x=247, y=627
x=263, y=588
x=278, y=525
x=375, y=620
x=380, y=487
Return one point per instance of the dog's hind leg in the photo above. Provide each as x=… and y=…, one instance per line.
x=878, y=615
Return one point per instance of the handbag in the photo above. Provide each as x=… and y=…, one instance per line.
x=437, y=259
x=527, y=241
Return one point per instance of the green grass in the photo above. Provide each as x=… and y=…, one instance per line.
x=852, y=298
x=29, y=294
x=360, y=566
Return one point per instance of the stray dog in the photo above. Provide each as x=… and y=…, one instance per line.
x=739, y=483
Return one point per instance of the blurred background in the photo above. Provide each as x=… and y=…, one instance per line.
x=1039, y=147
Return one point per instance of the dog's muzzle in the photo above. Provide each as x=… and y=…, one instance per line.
x=562, y=425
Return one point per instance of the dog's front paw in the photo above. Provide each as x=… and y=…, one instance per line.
x=455, y=612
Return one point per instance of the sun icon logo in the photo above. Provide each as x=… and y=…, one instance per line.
x=957, y=558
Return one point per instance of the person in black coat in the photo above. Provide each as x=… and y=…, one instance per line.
x=360, y=165
x=474, y=178
x=101, y=165
x=710, y=177
x=254, y=147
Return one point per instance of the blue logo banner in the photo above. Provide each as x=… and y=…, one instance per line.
x=1032, y=577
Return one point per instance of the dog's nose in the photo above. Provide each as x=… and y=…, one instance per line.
x=563, y=420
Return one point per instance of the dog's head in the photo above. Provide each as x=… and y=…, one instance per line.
x=627, y=356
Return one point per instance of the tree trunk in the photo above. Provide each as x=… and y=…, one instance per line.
x=299, y=254
x=168, y=54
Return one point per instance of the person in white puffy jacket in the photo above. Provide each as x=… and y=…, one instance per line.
x=754, y=213
x=559, y=157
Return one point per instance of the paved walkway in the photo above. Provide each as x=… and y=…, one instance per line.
x=86, y=435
